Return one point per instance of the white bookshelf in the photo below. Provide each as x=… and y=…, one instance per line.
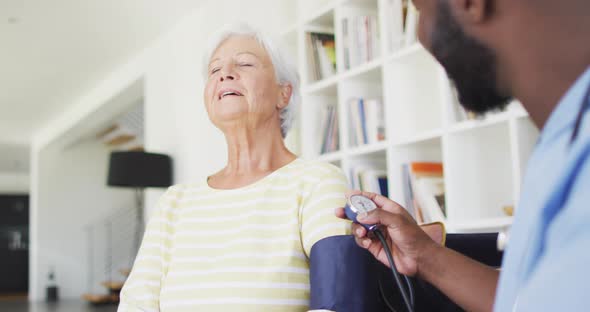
x=483, y=159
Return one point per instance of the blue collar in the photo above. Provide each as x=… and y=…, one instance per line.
x=563, y=116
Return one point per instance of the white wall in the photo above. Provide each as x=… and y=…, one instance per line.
x=14, y=168
x=176, y=123
x=11, y=183
x=73, y=195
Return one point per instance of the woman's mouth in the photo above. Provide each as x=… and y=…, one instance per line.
x=228, y=92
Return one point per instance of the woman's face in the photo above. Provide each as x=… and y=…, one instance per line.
x=241, y=85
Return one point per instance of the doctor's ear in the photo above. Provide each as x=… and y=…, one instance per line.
x=471, y=11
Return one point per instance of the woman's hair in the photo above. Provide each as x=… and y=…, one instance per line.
x=285, y=71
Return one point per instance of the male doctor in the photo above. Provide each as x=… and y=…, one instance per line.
x=537, y=51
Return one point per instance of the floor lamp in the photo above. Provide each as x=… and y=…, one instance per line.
x=138, y=170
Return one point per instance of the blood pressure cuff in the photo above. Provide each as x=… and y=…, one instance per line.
x=346, y=278
x=343, y=277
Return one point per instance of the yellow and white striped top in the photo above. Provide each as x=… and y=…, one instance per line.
x=243, y=249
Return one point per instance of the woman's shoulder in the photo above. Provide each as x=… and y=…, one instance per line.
x=318, y=168
x=177, y=191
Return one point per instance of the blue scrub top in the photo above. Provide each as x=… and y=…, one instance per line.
x=547, y=263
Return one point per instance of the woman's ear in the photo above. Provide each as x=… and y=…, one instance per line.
x=286, y=91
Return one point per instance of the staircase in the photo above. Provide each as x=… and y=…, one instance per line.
x=112, y=240
x=111, y=251
x=126, y=132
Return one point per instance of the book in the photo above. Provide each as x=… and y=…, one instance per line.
x=360, y=38
x=324, y=125
x=363, y=121
x=374, y=181
x=374, y=120
x=356, y=136
x=369, y=175
x=424, y=192
x=329, y=130
x=394, y=19
x=408, y=193
x=411, y=24
x=371, y=119
x=335, y=137
x=326, y=58
x=321, y=53
x=383, y=185
x=346, y=42
x=367, y=121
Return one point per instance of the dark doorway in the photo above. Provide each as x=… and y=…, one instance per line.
x=14, y=244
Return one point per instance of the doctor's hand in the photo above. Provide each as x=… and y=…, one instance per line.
x=409, y=242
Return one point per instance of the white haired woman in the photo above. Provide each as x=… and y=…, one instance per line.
x=240, y=239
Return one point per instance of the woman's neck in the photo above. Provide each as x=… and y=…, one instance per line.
x=253, y=151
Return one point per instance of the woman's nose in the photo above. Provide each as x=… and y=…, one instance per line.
x=226, y=76
x=227, y=73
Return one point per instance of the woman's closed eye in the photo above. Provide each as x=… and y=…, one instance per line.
x=216, y=69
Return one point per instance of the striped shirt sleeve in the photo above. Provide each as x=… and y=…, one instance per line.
x=317, y=217
x=142, y=288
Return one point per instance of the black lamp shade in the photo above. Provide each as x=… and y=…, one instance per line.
x=139, y=169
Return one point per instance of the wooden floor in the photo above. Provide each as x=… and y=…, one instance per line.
x=21, y=305
x=13, y=296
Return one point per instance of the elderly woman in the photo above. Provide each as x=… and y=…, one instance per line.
x=240, y=239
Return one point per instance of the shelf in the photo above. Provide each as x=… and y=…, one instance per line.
x=520, y=114
x=330, y=157
x=361, y=69
x=524, y=136
x=467, y=125
x=368, y=148
x=479, y=173
x=351, y=73
x=413, y=97
x=516, y=108
x=289, y=31
x=319, y=86
x=314, y=110
x=483, y=159
x=423, y=151
x=426, y=136
x=411, y=50
x=324, y=15
x=491, y=224
x=318, y=29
